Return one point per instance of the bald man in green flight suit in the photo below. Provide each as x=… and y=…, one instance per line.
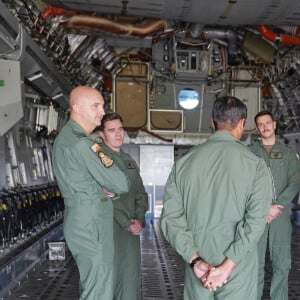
x=215, y=205
x=285, y=167
x=89, y=180
x=129, y=213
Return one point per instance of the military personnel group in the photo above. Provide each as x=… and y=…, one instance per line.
x=224, y=204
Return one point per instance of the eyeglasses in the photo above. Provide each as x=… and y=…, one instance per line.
x=267, y=124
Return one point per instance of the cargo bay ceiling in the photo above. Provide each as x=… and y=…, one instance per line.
x=205, y=12
x=215, y=47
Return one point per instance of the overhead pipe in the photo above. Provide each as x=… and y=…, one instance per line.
x=195, y=29
x=9, y=176
x=49, y=163
x=219, y=34
x=54, y=11
x=93, y=22
x=23, y=173
x=294, y=30
x=12, y=150
x=277, y=94
x=285, y=39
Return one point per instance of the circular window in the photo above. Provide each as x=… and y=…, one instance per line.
x=188, y=98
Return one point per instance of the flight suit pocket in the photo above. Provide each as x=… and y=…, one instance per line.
x=102, y=234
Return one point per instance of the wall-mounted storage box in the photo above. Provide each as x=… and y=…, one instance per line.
x=11, y=95
x=165, y=120
x=131, y=93
x=131, y=103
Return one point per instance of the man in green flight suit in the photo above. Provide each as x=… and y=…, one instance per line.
x=284, y=165
x=216, y=201
x=129, y=213
x=88, y=179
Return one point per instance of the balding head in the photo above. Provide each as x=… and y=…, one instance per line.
x=86, y=105
x=80, y=93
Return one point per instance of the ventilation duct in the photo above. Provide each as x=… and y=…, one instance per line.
x=85, y=23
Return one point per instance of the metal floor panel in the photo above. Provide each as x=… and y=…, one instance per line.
x=24, y=255
x=162, y=273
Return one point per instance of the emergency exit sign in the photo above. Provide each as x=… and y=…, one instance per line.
x=1, y=82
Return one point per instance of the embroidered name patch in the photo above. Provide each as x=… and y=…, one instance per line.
x=276, y=155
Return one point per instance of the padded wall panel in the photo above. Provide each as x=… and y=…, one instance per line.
x=131, y=103
x=166, y=120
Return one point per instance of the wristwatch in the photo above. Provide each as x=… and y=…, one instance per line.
x=194, y=261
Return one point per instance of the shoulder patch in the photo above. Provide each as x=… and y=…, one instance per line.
x=95, y=147
x=79, y=134
x=106, y=160
x=255, y=153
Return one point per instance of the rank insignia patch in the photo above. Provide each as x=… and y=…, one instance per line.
x=105, y=159
x=95, y=147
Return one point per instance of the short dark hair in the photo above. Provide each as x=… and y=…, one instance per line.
x=263, y=113
x=109, y=117
x=227, y=112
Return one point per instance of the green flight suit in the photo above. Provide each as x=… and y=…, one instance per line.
x=88, y=217
x=131, y=205
x=284, y=165
x=216, y=201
